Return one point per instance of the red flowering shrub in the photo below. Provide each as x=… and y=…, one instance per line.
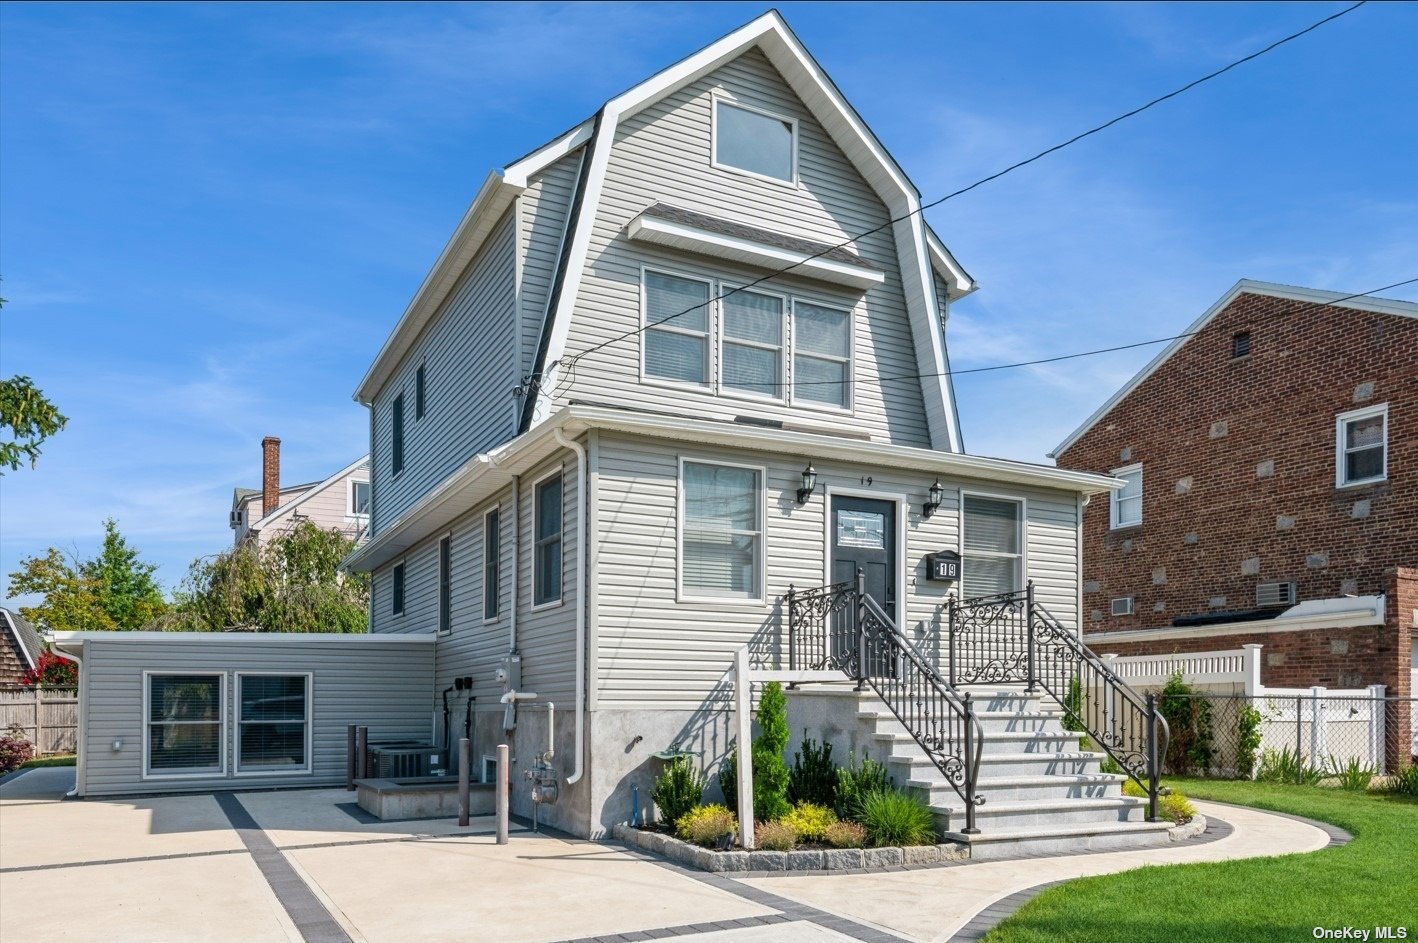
x=52, y=672
x=15, y=750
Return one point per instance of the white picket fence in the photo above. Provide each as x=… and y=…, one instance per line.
x=48, y=718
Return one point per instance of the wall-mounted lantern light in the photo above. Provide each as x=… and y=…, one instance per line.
x=933, y=500
x=809, y=484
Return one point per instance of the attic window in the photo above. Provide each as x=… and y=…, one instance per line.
x=1240, y=345
x=757, y=142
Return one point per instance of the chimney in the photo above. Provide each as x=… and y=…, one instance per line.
x=270, y=474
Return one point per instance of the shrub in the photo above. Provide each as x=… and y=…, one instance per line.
x=1286, y=767
x=1247, y=741
x=1131, y=788
x=15, y=750
x=729, y=780
x=1353, y=775
x=1404, y=782
x=892, y=817
x=678, y=789
x=1175, y=806
x=775, y=836
x=845, y=834
x=813, y=777
x=1073, y=706
x=854, y=782
x=770, y=773
x=712, y=826
x=1189, y=719
x=809, y=820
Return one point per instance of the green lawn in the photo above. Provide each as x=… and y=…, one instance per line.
x=1372, y=881
x=64, y=760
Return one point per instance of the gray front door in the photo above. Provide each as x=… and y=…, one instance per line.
x=864, y=538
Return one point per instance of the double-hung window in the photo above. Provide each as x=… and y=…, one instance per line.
x=547, y=551
x=359, y=499
x=822, y=355
x=721, y=540
x=991, y=546
x=759, y=142
x=445, y=585
x=273, y=723
x=752, y=358
x=492, y=563
x=677, y=322
x=1125, y=505
x=185, y=725
x=1361, y=446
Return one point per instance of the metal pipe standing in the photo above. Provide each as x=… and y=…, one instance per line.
x=465, y=773
x=502, y=773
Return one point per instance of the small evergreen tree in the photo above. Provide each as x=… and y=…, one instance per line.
x=770, y=772
x=813, y=777
x=114, y=590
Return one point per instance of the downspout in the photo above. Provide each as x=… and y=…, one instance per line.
x=581, y=550
x=516, y=562
x=81, y=727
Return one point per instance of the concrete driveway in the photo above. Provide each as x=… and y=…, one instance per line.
x=304, y=865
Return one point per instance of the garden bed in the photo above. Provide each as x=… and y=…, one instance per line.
x=799, y=860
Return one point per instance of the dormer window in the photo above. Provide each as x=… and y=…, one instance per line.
x=754, y=141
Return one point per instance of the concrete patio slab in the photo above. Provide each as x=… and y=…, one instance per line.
x=931, y=905
x=536, y=888
x=42, y=782
x=315, y=817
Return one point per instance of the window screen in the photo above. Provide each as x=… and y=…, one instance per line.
x=271, y=723
x=822, y=351
x=1363, y=448
x=990, y=546
x=677, y=328
x=754, y=141
x=722, y=541
x=184, y=724
x=1126, y=504
x=753, y=343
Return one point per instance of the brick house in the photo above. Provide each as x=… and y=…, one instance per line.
x=1271, y=455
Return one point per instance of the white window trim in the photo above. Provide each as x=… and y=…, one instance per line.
x=401, y=597
x=488, y=759
x=710, y=325
x=222, y=712
x=1340, y=421
x=762, y=576
x=717, y=98
x=851, y=360
x=1113, y=522
x=1023, y=555
x=536, y=486
x=723, y=339
x=494, y=511
x=309, y=767
x=903, y=504
x=438, y=584
x=350, y=513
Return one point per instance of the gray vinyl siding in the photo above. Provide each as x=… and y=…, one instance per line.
x=541, y=224
x=381, y=684
x=470, y=352
x=663, y=155
x=657, y=653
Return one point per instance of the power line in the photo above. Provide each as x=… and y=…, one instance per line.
x=571, y=359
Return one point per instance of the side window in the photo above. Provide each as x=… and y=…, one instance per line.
x=397, y=591
x=272, y=724
x=991, y=546
x=185, y=725
x=1361, y=446
x=1125, y=506
x=492, y=563
x=677, y=328
x=419, y=400
x=547, y=551
x=445, y=585
x=359, y=498
x=397, y=445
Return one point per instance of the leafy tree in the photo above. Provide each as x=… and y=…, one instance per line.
x=30, y=418
x=114, y=590
x=289, y=584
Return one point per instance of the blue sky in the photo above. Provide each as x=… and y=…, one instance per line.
x=211, y=215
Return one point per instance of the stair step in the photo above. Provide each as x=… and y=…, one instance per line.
x=996, y=765
x=1042, y=787
x=996, y=844
x=1028, y=813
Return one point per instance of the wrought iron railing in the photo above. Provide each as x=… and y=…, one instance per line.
x=1010, y=637
x=840, y=627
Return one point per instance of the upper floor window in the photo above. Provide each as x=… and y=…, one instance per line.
x=492, y=563
x=755, y=141
x=397, y=591
x=752, y=357
x=1361, y=446
x=1241, y=345
x=991, y=545
x=1125, y=504
x=547, y=552
x=721, y=535
x=822, y=354
x=677, y=328
x=397, y=435
x=419, y=392
x=445, y=585
x=359, y=498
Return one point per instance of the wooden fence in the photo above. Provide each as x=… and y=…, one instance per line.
x=49, y=718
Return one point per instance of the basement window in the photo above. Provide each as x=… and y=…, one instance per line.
x=1361, y=446
x=1240, y=345
x=755, y=142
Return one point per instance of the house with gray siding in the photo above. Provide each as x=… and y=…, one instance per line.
x=678, y=386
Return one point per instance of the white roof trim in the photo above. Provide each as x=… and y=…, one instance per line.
x=309, y=493
x=519, y=173
x=72, y=641
x=943, y=261
x=1405, y=309
x=492, y=200
x=682, y=236
x=1365, y=610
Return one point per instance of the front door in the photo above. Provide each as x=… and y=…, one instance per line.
x=864, y=538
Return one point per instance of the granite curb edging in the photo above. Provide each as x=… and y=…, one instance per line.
x=806, y=861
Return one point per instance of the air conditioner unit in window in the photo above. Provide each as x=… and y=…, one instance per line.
x=235, y=519
x=1270, y=595
x=1123, y=606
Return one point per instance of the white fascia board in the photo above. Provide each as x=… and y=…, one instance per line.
x=310, y=493
x=937, y=393
x=945, y=264
x=73, y=641
x=1392, y=306
x=492, y=200
x=691, y=238
x=1352, y=618
x=522, y=171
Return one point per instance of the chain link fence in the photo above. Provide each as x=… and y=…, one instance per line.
x=1301, y=736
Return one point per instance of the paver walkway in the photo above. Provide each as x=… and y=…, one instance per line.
x=298, y=867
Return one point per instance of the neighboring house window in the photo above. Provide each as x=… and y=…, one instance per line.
x=991, y=546
x=752, y=358
x=1362, y=446
x=359, y=498
x=419, y=392
x=547, y=575
x=678, y=348
x=272, y=725
x=398, y=434
x=492, y=563
x=1125, y=505
x=756, y=141
x=398, y=590
x=822, y=354
x=445, y=585
x=721, y=539
x=1241, y=344
x=184, y=725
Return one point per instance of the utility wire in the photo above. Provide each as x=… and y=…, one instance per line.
x=571, y=359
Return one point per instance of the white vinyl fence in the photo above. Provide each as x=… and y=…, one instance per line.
x=48, y=718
